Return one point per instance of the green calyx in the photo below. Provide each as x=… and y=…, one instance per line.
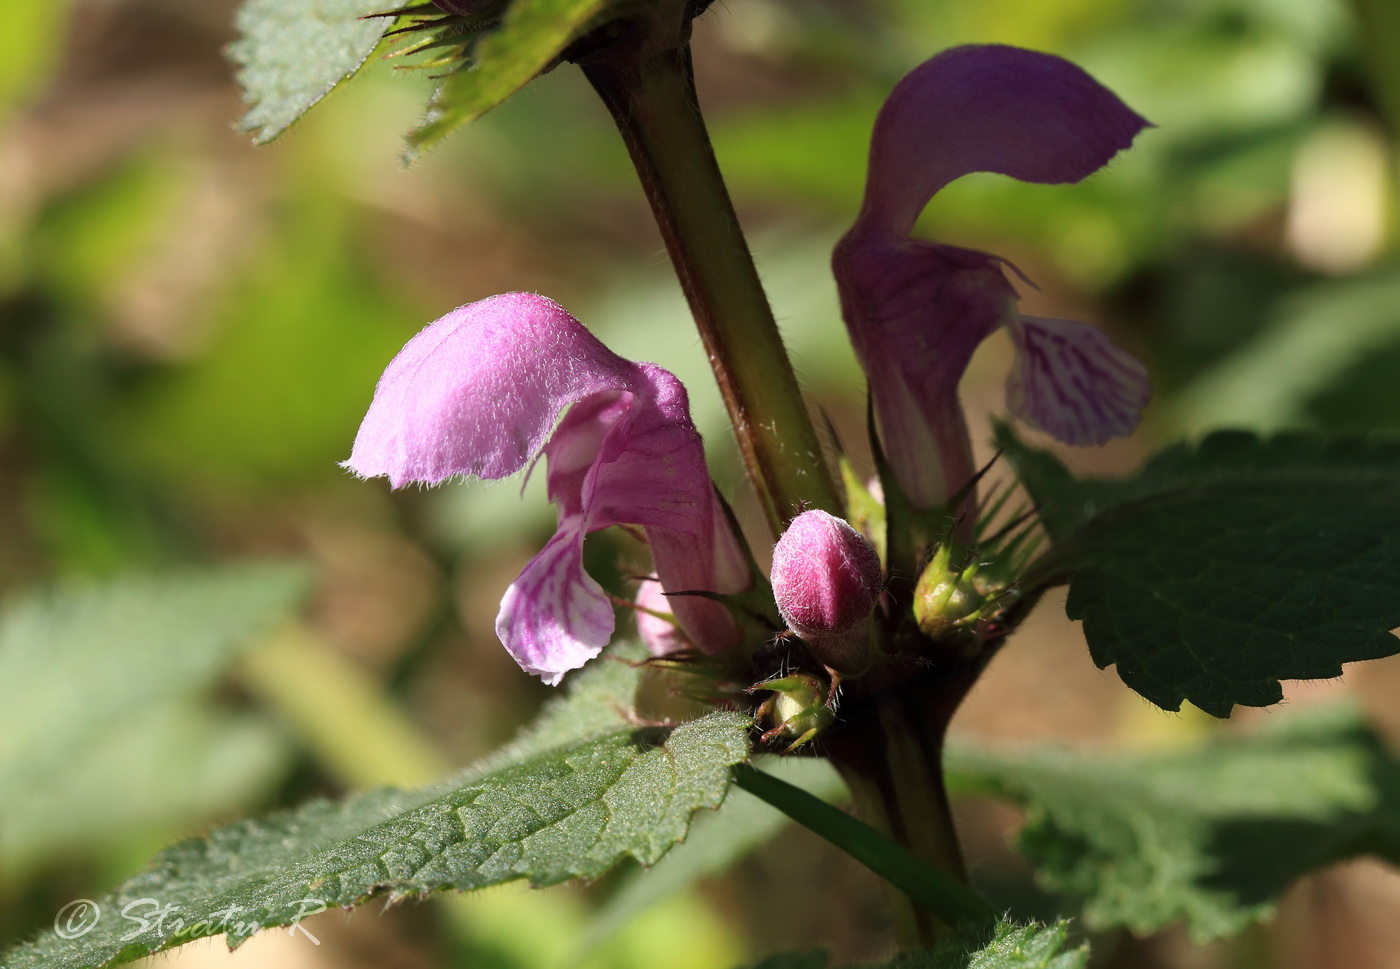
x=949, y=602
x=799, y=708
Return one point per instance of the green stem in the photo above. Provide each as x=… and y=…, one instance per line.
x=651, y=95
x=932, y=890
x=890, y=754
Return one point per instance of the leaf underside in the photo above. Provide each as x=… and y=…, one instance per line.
x=1211, y=836
x=570, y=800
x=1224, y=568
x=292, y=53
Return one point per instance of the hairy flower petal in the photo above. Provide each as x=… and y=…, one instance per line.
x=478, y=391
x=491, y=386
x=555, y=617
x=659, y=634
x=917, y=310
x=989, y=108
x=1073, y=382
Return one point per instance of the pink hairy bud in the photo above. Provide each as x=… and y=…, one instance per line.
x=826, y=578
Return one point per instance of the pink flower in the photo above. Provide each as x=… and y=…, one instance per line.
x=655, y=626
x=917, y=310
x=480, y=392
x=826, y=578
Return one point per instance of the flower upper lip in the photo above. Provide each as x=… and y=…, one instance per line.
x=916, y=310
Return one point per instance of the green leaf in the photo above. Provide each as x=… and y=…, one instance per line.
x=1008, y=946
x=1226, y=567
x=716, y=842
x=1211, y=836
x=292, y=53
x=530, y=38
x=574, y=809
x=79, y=661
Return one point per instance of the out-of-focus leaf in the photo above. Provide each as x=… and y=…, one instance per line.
x=157, y=774
x=1378, y=31
x=30, y=45
x=814, y=153
x=292, y=53
x=585, y=789
x=77, y=661
x=530, y=37
x=1226, y=567
x=816, y=959
x=1318, y=336
x=1009, y=946
x=1212, y=836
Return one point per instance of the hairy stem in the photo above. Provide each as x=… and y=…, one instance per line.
x=890, y=753
x=652, y=98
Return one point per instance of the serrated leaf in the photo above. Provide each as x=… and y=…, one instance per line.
x=1226, y=567
x=531, y=36
x=1008, y=946
x=716, y=842
x=565, y=811
x=77, y=661
x=292, y=53
x=1211, y=836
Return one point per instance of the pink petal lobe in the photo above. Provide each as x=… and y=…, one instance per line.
x=650, y=471
x=1074, y=383
x=554, y=617
x=989, y=108
x=701, y=563
x=478, y=391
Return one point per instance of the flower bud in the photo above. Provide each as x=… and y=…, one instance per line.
x=826, y=578
x=797, y=710
x=947, y=601
x=944, y=603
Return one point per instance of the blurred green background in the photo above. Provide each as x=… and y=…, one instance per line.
x=191, y=330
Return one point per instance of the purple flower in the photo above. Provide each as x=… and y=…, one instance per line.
x=917, y=310
x=480, y=392
x=826, y=578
